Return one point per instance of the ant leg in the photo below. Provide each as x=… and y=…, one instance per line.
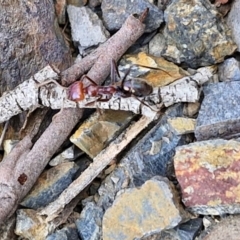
x=114, y=71
x=145, y=104
x=124, y=78
x=47, y=82
x=3, y=133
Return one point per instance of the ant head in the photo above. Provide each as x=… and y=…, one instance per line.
x=76, y=92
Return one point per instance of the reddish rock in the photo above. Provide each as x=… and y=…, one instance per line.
x=208, y=173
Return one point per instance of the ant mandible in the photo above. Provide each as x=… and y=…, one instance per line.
x=128, y=88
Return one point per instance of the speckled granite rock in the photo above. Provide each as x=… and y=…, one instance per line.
x=195, y=33
x=208, y=173
x=219, y=113
x=120, y=10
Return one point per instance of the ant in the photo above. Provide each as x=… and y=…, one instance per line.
x=128, y=88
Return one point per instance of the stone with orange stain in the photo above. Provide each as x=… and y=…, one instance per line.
x=96, y=132
x=208, y=173
x=155, y=70
x=140, y=212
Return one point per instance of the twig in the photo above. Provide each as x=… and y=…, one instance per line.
x=56, y=97
x=3, y=133
x=99, y=163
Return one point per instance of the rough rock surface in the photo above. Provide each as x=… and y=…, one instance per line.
x=120, y=10
x=219, y=112
x=196, y=35
x=144, y=211
x=208, y=173
x=30, y=40
x=87, y=28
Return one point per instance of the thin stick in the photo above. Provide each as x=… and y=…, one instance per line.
x=3, y=133
x=99, y=163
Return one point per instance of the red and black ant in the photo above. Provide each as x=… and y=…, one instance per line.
x=128, y=88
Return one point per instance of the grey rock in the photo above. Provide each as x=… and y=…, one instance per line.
x=219, y=113
x=87, y=29
x=233, y=20
x=153, y=153
x=156, y=45
x=89, y=223
x=66, y=233
x=120, y=10
x=184, y=231
x=30, y=38
x=195, y=33
x=50, y=185
x=66, y=155
x=139, y=212
x=229, y=70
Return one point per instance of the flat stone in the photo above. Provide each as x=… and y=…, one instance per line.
x=142, y=211
x=182, y=125
x=233, y=20
x=208, y=175
x=195, y=33
x=155, y=70
x=219, y=115
x=96, y=132
x=120, y=10
x=50, y=185
x=87, y=28
x=229, y=70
